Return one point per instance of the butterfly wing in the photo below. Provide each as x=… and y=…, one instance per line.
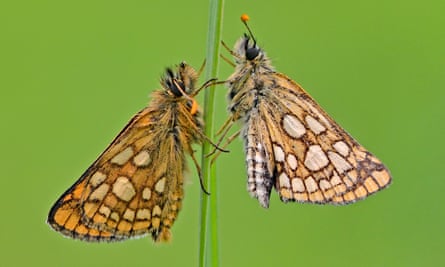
x=134, y=187
x=66, y=217
x=303, y=152
x=260, y=169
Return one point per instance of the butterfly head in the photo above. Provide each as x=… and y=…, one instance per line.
x=247, y=52
x=249, y=57
x=180, y=82
x=179, y=86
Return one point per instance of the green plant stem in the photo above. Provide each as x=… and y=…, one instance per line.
x=208, y=247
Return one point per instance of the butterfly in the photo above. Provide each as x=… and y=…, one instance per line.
x=290, y=142
x=135, y=187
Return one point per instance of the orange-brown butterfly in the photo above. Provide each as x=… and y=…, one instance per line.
x=290, y=142
x=135, y=187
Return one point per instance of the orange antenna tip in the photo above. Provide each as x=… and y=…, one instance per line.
x=244, y=18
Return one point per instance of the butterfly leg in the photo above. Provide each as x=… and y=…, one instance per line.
x=211, y=82
x=202, y=68
x=223, y=132
x=215, y=146
x=227, y=60
x=198, y=169
x=230, y=50
x=228, y=141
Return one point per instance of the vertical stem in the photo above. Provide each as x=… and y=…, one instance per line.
x=208, y=247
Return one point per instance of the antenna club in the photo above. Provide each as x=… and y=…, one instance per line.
x=245, y=18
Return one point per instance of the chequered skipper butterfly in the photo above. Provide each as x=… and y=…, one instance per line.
x=135, y=187
x=290, y=142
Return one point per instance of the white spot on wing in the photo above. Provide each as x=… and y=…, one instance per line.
x=283, y=180
x=314, y=125
x=279, y=153
x=123, y=156
x=100, y=192
x=342, y=148
x=311, y=185
x=297, y=185
x=292, y=126
x=129, y=215
x=114, y=216
x=146, y=193
x=315, y=158
x=339, y=162
x=335, y=180
x=142, y=159
x=292, y=161
x=123, y=189
x=156, y=211
x=104, y=210
x=160, y=185
x=324, y=184
x=97, y=178
x=143, y=214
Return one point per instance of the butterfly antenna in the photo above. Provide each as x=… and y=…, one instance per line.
x=244, y=19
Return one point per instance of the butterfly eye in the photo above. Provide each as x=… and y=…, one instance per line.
x=252, y=53
x=170, y=74
x=173, y=86
x=173, y=83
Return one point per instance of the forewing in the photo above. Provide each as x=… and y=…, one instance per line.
x=314, y=159
x=65, y=216
x=128, y=191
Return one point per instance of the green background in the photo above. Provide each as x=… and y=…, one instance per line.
x=74, y=72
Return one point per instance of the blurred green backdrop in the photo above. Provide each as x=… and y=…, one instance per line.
x=74, y=72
